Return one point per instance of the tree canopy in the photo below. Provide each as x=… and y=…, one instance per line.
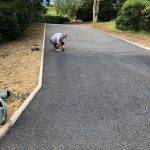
x=68, y=7
x=98, y=9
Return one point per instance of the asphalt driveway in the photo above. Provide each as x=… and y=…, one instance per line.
x=95, y=96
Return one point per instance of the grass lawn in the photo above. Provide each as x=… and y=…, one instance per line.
x=112, y=28
x=51, y=11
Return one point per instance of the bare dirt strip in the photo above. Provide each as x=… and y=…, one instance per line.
x=20, y=65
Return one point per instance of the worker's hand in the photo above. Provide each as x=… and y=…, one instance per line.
x=59, y=45
x=62, y=46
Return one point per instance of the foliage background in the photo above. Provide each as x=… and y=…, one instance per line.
x=17, y=15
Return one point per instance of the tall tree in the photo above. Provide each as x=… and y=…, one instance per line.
x=96, y=10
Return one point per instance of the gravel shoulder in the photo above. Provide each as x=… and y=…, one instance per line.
x=20, y=65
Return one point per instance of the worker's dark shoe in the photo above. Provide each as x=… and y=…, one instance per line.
x=55, y=46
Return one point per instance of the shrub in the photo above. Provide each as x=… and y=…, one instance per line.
x=55, y=19
x=145, y=22
x=23, y=14
x=38, y=11
x=17, y=15
x=29, y=12
x=9, y=26
x=130, y=15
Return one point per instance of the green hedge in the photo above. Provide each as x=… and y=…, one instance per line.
x=16, y=16
x=9, y=23
x=134, y=15
x=55, y=19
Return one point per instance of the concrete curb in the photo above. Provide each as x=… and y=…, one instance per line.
x=136, y=44
x=16, y=115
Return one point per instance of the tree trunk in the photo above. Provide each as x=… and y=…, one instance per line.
x=95, y=10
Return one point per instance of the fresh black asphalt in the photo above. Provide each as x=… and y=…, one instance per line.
x=95, y=96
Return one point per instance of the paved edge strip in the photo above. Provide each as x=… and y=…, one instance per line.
x=16, y=115
x=136, y=44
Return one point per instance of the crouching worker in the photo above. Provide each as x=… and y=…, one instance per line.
x=57, y=40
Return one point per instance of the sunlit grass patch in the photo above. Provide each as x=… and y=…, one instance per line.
x=51, y=11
